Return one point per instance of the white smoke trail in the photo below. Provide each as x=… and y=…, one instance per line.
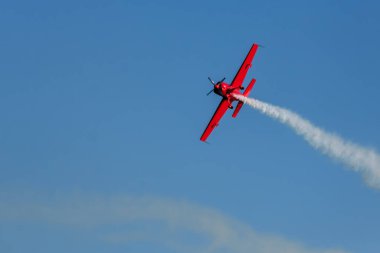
x=360, y=159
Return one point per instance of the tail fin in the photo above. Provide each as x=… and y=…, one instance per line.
x=245, y=94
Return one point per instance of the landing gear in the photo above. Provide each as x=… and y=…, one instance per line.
x=241, y=87
x=229, y=100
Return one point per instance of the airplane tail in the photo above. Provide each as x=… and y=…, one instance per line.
x=245, y=94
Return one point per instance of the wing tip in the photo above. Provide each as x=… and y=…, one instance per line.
x=259, y=45
x=204, y=141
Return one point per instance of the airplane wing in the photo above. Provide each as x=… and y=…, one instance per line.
x=240, y=75
x=220, y=111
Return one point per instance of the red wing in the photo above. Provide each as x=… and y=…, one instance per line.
x=240, y=75
x=220, y=111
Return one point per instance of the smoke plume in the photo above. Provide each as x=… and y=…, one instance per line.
x=360, y=159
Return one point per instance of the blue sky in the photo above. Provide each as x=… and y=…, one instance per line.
x=107, y=98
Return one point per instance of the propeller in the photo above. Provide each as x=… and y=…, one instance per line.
x=213, y=83
x=221, y=81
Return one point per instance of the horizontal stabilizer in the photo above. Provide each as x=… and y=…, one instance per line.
x=238, y=107
x=249, y=88
x=245, y=94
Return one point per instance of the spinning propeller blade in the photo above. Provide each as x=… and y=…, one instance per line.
x=211, y=81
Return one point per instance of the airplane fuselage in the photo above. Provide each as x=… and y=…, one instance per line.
x=226, y=91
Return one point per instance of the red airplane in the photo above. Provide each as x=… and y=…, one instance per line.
x=227, y=93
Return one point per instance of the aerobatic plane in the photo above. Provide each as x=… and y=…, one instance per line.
x=227, y=92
